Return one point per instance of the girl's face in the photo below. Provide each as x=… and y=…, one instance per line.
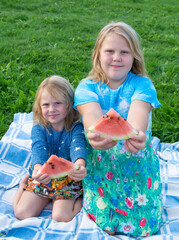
x=53, y=110
x=116, y=59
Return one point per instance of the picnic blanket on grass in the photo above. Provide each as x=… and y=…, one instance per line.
x=15, y=154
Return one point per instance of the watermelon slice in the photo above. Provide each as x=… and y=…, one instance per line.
x=114, y=126
x=57, y=167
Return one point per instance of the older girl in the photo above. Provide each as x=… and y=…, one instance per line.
x=122, y=190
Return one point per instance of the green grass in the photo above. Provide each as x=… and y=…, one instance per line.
x=40, y=38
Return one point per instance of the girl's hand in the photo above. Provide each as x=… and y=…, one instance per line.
x=89, y=117
x=100, y=143
x=80, y=174
x=39, y=177
x=136, y=142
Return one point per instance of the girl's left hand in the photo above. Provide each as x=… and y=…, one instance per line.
x=78, y=175
x=136, y=142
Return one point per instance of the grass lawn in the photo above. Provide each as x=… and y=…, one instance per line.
x=40, y=38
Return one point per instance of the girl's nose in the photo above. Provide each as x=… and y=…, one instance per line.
x=51, y=107
x=117, y=56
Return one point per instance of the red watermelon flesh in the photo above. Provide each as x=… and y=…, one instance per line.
x=114, y=126
x=57, y=167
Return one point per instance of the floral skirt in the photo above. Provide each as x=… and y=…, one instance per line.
x=61, y=188
x=122, y=190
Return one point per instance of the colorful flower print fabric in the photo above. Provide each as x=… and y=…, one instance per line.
x=122, y=190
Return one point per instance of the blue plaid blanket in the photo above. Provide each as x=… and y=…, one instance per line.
x=15, y=156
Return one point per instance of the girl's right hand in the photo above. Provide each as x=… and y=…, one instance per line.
x=100, y=143
x=39, y=177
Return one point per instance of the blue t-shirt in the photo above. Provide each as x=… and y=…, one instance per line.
x=133, y=88
x=70, y=145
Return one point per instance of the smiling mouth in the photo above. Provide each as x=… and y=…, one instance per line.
x=53, y=115
x=116, y=66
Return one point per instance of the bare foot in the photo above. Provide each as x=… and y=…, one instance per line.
x=109, y=232
x=24, y=180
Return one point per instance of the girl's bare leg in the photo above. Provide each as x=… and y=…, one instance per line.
x=27, y=204
x=66, y=210
x=30, y=205
x=77, y=205
x=19, y=192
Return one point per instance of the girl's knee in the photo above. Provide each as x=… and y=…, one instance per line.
x=61, y=217
x=66, y=210
x=21, y=214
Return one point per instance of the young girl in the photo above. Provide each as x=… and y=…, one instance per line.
x=122, y=190
x=56, y=130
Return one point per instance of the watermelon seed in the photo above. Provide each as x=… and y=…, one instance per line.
x=53, y=166
x=105, y=116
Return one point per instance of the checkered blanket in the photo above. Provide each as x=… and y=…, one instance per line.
x=15, y=156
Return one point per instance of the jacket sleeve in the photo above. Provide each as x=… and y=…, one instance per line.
x=39, y=145
x=78, y=142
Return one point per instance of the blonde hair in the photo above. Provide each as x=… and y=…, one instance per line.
x=56, y=86
x=127, y=32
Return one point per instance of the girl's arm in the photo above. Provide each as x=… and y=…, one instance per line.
x=39, y=145
x=39, y=153
x=138, y=117
x=138, y=114
x=90, y=113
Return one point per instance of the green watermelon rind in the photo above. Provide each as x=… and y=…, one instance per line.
x=92, y=130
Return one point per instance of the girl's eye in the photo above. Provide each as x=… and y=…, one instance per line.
x=125, y=52
x=109, y=51
x=44, y=104
x=57, y=103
